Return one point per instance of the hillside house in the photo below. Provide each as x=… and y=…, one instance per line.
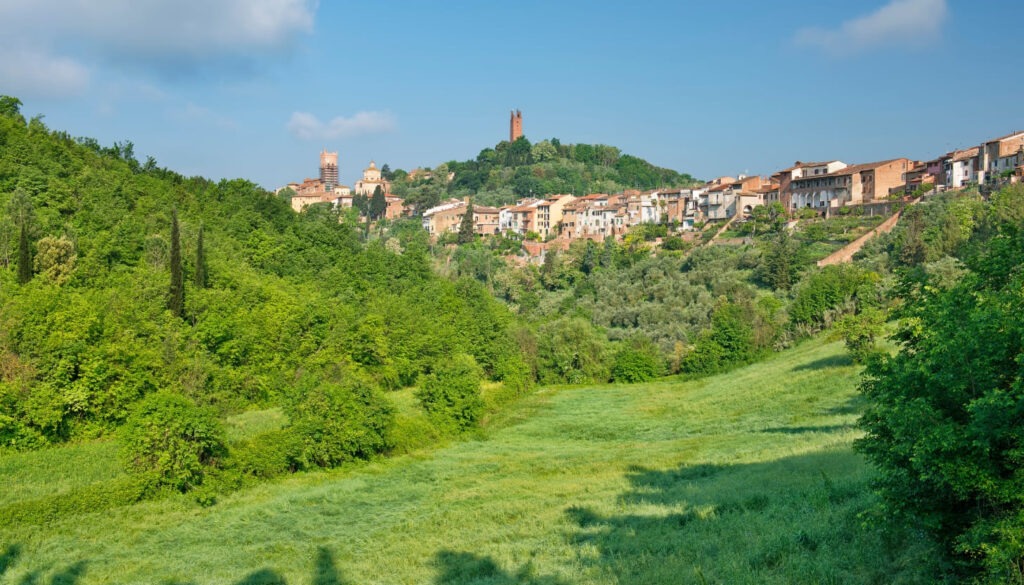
x=849, y=185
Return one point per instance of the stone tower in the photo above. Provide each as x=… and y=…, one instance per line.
x=329, y=169
x=515, y=126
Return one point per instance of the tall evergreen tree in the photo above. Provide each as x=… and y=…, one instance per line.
x=176, y=300
x=20, y=210
x=378, y=204
x=200, y=260
x=466, y=227
x=24, y=255
x=778, y=265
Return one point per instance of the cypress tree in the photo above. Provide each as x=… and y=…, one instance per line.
x=24, y=255
x=176, y=300
x=200, y=260
x=466, y=227
x=378, y=204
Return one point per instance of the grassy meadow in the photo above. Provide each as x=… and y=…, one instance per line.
x=746, y=477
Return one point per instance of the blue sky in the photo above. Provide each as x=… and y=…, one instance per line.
x=255, y=88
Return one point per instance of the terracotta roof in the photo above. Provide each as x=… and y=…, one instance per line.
x=961, y=155
x=1010, y=147
x=851, y=170
x=1008, y=136
x=802, y=165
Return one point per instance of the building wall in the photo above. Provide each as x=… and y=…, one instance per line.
x=878, y=181
x=485, y=223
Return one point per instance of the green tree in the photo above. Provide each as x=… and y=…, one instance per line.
x=778, y=263
x=543, y=151
x=451, y=393
x=944, y=417
x=589, y=260
x=20, y=209
x=466, y=234
x=168, y=436
x=860, y=331
x=176, y=292
x=10, y=107
x=55, y=259
x=361, y=204
x=200, y=276
x=286, y=195
x=378, y=204
x=24, y=255
x=913, y=251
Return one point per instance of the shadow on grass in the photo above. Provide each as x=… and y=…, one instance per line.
x=8, y=557
x=794, y=520
x=68, y=576
x=463, y=568
x=834, y=361
x=325, y=572
x=804, y=430
x=855, y=405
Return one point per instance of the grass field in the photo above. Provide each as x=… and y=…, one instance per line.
x=746, y=477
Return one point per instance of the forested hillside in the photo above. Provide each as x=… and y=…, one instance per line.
x=280, y=309
x=514, y=170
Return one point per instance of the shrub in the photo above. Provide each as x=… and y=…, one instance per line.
x=823, y=292
x=267, y=455
x=638, y=361
x=87, y=499
x=170, y=437
x=570, y=350
x=335, y=423
x=632, y=366
x=672, y=243
x=860, y=331
x=451, y=393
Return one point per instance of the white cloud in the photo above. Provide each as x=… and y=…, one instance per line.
x=29, y=73
x=305, y=126
x=900, y=22
x=73, y=37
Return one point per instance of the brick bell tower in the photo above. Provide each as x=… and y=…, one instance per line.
x=329, y=169
x=515, y=125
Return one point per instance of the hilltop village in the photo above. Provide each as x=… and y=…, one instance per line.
x=805, y=189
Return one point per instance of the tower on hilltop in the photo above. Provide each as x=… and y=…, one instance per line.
x=329, y=170
x=515, y=126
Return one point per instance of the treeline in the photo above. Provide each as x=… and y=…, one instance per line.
x=280, y=310
x=514, y=170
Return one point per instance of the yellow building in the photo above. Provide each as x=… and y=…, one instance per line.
x=371, y=180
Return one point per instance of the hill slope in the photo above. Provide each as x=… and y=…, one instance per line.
x=740, y=478
x=290, y=300
x=520, y=169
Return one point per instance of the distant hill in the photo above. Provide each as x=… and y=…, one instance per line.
x=513, y=170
